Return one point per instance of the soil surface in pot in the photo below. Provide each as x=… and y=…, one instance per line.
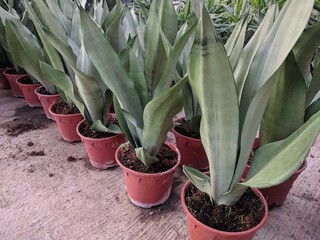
x=61, y=107
x=245, y=214
x=86, y=131
x=14, y=72
x=26, y=81
x=168, y=158
x=42, y=90
x=187, y=132
x=25, y=119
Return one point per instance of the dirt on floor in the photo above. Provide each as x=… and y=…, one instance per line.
x=49, y=190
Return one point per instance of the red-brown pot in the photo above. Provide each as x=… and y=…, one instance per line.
x=4, y=84
x=12, y=79
x=47, y=101
x=192, y=151
x=200, y=231
x=67, y=125
x=276, y=195
x=101, y=151
x=28, y=90
x=149, y=189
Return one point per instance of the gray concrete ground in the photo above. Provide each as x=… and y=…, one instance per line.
x=49, y=197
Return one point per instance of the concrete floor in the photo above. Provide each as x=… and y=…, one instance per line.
x=49, y=197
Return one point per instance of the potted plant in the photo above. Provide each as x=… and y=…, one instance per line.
x=187, y=128
x=11, y=74
x=26, y=51
x=139, y=77
x=228, y=129
x=99, y=131
x=4, y=65
x=293, y=101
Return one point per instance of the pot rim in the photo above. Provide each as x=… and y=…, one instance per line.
x=23, y=77
x=207, y=228
x=62, y=115
x=184, y=136
x=169, y=144
x=52, y=95
x=96, y=139
x=13, y=74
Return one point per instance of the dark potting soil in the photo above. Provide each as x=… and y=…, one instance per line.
x=187, y=132
x=86, y=131
x=26, y=80
x=61, y=107
x=168, y=158
x=14, y=72
x=42, y=90
x=244, y=215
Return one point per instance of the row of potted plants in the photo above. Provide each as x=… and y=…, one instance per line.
x=151, y=68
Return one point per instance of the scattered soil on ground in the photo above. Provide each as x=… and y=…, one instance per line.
x=25, y=119
x=36, y=153
x=61, y=107
x=168, y=158
x=71, y=159
x=245, y=214
x=86, y=131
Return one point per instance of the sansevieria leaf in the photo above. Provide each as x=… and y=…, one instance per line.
x=286, y=107
x=276, y=162
x=211, y=78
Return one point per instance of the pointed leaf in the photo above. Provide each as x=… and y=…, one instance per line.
x=157, y=116
x=285, y=111
x=212, y=80
x=110, y=68
x=198, y=179
x=276, y=162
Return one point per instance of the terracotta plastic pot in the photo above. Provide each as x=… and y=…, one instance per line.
x=67, y=124
x=4, y=84
x=28, y=90
x=149, y=189
x=200, y=231
x=192, y=151
x=101, y=151
x=276, y=195
x=47, y=101
x=12, y=79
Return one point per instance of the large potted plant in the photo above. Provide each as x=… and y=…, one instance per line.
x=230, y=120
x=140, y=77
x=187, y=127
x=293, y=101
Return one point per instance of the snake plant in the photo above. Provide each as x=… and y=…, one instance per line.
x=231, y=115
x=58, y=25
x=11, y=9
x=141, y=74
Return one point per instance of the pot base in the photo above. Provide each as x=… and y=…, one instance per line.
x=150, y=205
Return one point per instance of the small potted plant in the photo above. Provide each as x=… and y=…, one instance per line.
x=27, y=52
x=99, y=130
x=11, y=74
x=140, y=77
x=228, y=128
